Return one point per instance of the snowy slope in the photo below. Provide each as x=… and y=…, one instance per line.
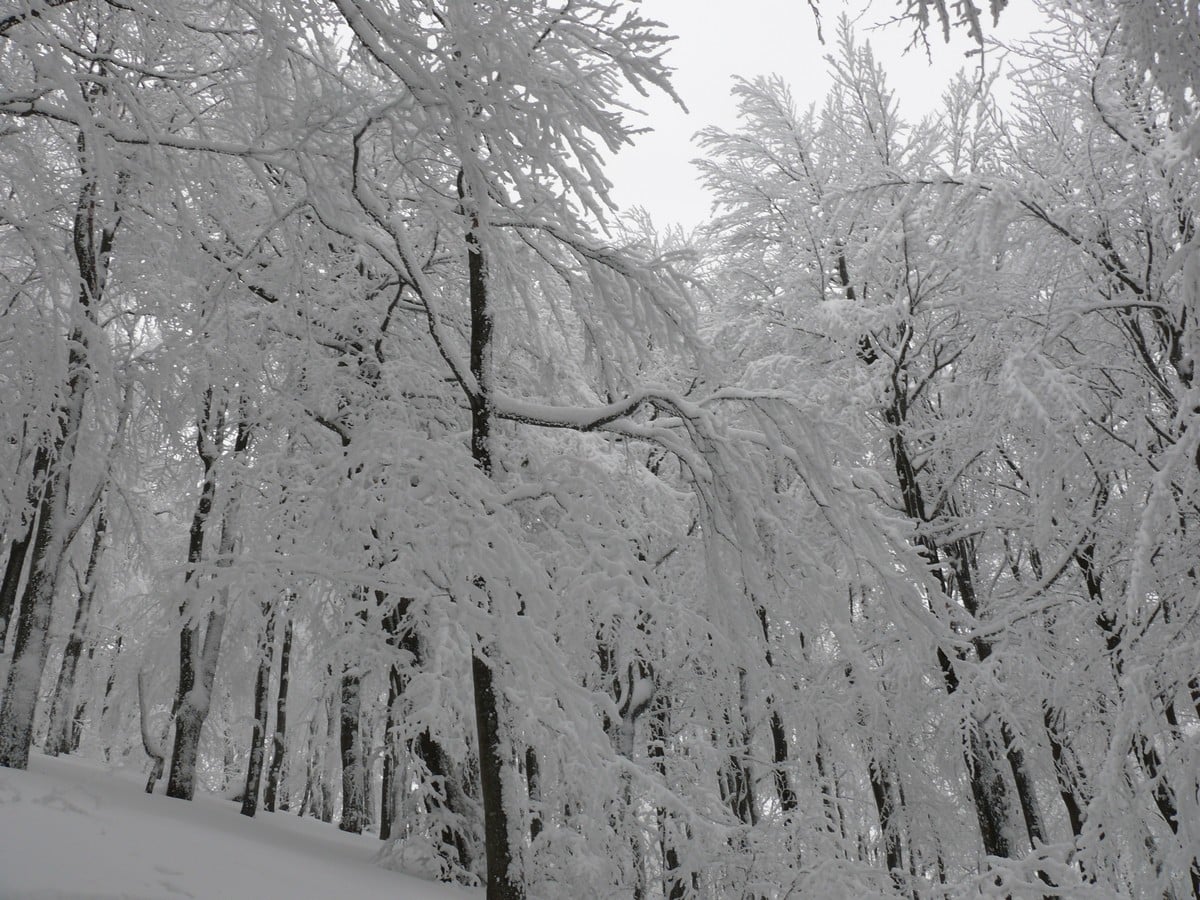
x=71, y=829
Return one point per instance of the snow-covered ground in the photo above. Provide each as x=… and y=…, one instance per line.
x=70, y=828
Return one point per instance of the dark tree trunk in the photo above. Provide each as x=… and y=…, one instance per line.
x=150, y=744
x=314, y=765
x=195, y=691
x=1026, y=788
x=398, y=638
x=75, y=726
x=387, y=795
x=633, y=699
x=1067, y=773
x=1142, y=749
x=276, y=790
x=991, y=797
x=491, y=762
x=533, y=784
x=988, y=788
x=885, y=796
x=209, y=433
x=92, y=245
x=499, y=853
x=350, y=743
x=443, y=792
x=60, y=733
x=989, y=791
x=30, y=648
x=18, y=550
x=351, y=738
x=736, y=779
x=112, y=676
x=886, y=791
x=675, y=886
x=779, y=741
x=14, y=568
x=830, y=794
x=193, y=711
x=258, y=735
x=326, y=794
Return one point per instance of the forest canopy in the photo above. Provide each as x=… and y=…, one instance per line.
x=359, y=458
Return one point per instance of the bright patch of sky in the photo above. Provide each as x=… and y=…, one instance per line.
x=718, y=40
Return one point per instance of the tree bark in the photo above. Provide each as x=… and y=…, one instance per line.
x=1066, y=770
x=443, y=790
x=51, y=540
x=55, y=529
x=59, y=736
x=736, y=779
x=326, y=795
x=153, y=748
x=989, y=791
x=276, y=790
x=500, y=885
x=258, y=735
x=779, y=741
x=209, y=435
x=885, y=807
x=1026, y=789
x=350, y=743
x=193, y=711
x=387, y=795
x=533, y=785
x=18, y=550
x=675, y=886
x=492, y=756
x=393, y=625
x=195, y=692
x=14, y=568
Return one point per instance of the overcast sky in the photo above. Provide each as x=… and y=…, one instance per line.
x=718, y=39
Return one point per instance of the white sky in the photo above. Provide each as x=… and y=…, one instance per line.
x=717, y=39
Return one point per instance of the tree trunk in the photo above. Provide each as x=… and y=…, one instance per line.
x=258, y=735
x=835, y=820
x=153, y=747
x=75, y=725
x=779, y=741
x=387, y=795
x=196, y=697
x=1066, y=770
x=491, y=762
x=1026, y=789
x=675, y=887
x=30, y=648
x=106, y=704
x=314, y=762
x=193, y=711
x=993, y=806
x=326, y=795
x=59, y=736
x=443, y=791
x=533, y=784
x=350, y=742
x=736, y=779
x=18, y=550
x=14, y=568
x=635, y=695
x=209, y=435
x=393, y=621
x=885, y=807
x=492, y=756
x=56, y=527
x=1141, y=748
x=276, y=790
